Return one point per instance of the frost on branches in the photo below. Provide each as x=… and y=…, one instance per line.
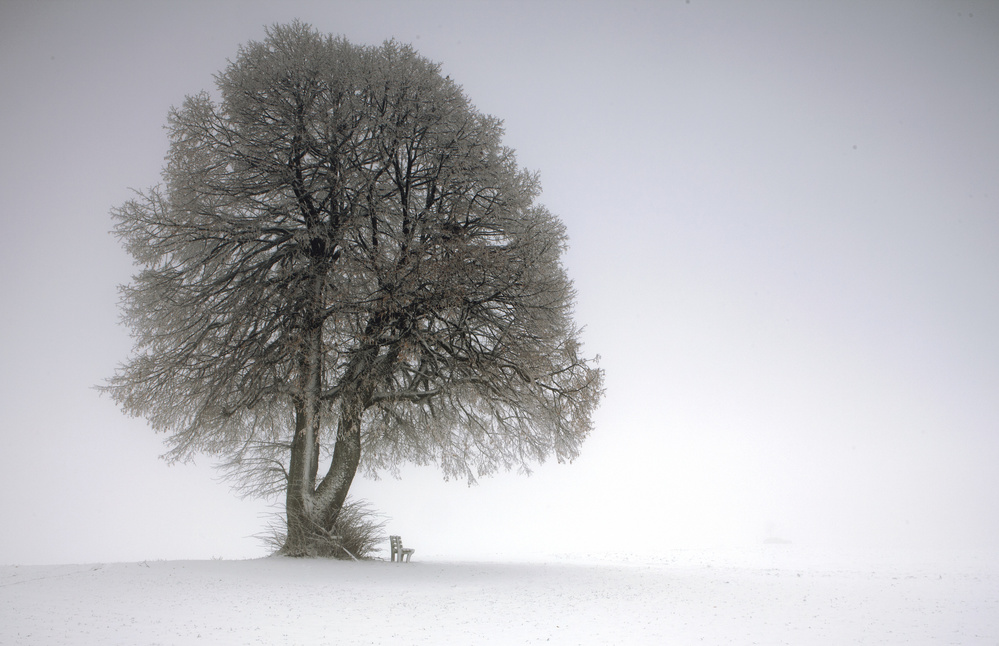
x=344, y=267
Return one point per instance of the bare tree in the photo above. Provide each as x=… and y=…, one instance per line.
x=344, y=265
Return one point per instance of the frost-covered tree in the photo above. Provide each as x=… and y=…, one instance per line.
x=344, y=266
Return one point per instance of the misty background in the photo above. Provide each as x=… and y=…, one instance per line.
x=784, y=229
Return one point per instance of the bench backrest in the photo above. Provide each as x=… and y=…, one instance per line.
x=396, y=545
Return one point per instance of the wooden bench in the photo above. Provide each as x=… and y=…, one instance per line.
x=399, y=553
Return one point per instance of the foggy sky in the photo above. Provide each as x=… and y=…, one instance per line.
x=784, y=230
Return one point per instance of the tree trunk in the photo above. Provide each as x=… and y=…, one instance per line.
x=332, y=492
x=298, y=497
x=312, y=512
x=304, y=463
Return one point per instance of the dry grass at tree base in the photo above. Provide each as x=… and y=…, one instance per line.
x=359, y=532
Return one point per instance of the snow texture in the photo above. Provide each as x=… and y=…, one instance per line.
x=776, y=595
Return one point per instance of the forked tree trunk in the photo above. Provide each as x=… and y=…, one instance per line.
x=312, y=511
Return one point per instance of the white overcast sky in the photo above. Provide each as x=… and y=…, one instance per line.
x=784, y=224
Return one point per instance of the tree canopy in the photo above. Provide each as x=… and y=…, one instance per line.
x=344, y=265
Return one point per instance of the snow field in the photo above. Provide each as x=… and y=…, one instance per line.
x=685, y=598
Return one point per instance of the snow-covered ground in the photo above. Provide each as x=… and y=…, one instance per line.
x=772, y=595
